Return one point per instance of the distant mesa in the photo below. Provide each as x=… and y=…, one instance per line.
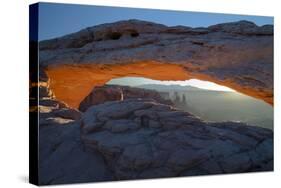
x=160, y=87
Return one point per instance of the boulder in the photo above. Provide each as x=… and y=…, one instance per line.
x=100, y=95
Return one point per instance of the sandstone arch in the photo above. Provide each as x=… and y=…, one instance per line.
x=238, y=55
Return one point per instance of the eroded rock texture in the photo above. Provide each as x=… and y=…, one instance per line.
x=238, y=55
x=62, y=156
x=145, y=139
x=136, y=139
x=141, y=138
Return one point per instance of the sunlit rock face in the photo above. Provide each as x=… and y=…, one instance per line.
x=72, y=83
x=238, y=55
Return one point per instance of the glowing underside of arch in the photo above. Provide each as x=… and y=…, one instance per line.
x=72, y=83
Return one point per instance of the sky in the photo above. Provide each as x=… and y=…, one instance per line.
x=136, y=81
x=56, y=19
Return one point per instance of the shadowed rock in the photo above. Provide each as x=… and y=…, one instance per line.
x=106, y=93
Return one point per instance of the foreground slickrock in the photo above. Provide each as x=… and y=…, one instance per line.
x=135, y=139
x=144, y=139
x=62, y=156
x=237, y=54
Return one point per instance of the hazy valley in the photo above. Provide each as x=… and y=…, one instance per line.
x=212, y=105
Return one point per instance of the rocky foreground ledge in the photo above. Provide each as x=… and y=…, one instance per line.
x=136, y=139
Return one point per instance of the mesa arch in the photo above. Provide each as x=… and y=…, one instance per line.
x=238, y=55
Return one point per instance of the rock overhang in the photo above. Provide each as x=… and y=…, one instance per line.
x=238, y=54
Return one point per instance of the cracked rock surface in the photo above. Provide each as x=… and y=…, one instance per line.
x=141, y=138
x=145, y=139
